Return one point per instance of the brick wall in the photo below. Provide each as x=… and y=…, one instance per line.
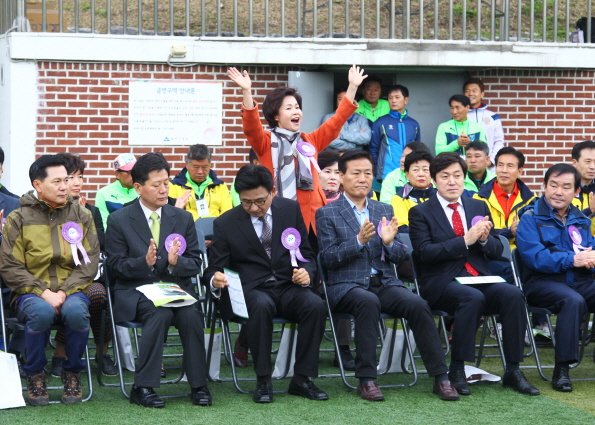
x=84, y=109
x=544, y=113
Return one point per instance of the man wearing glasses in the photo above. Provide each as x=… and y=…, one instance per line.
x=248, y=240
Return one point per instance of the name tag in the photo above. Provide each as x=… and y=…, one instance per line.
x=202, y=207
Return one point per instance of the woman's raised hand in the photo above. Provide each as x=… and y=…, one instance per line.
x=242, y=79
x=356, y=75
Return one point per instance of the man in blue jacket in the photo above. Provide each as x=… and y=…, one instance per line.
x=390, y=134
x=555, y=241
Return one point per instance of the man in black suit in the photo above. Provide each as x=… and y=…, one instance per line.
x=136, y=256
x=247, y=240
x=448, y=244
x=362, y=281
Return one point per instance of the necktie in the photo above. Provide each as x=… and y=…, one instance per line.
x=266, y=236
x=155, y=227
x=457, y=225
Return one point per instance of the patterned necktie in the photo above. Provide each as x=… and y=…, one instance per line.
x=155, y=227
x=457, y=225
x=266, y=236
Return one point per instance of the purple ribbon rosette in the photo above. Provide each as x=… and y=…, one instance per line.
x=291, y=240
x=379, y=230
x=73, y=234
x=476, y=220
x=576, y=238
x=169, y=241
x=308, y=150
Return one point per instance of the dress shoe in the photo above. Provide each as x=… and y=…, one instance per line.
x=370, y=391
x=108, y=368
x=263, y=393
x=346, y=358
x=458, y=379
x=561, y=380
x=201, y=396
x=240, y=355
x=446, y=391
x=56, y=369
x=517, y=381
x=163, y=374
x=145, y=397
x=307, y=390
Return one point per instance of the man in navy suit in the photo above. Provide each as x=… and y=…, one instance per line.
x=361, y=279
x=452, y=236
x=136, y=256
x=248, y=240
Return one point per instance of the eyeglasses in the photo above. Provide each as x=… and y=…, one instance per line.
x=258, y=202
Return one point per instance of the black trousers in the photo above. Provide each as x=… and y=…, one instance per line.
x=156, y=322
x=292, y=302
x=467, y=303
x=367, y=304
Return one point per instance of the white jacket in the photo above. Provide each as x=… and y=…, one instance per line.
x=493, y=128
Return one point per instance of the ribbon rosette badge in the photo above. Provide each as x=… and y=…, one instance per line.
x=73, y=234
x=576, y=238
x=170, y=241
x=291, y=240
x=476, y=220
x=309, y=151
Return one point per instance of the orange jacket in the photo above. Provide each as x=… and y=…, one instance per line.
x=260, y=140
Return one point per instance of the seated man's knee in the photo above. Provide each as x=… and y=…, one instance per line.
x=40, y=314
x=75, y=312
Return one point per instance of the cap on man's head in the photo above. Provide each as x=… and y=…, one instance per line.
x=124, y=162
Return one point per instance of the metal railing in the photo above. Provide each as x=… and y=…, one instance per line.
x=485, y=20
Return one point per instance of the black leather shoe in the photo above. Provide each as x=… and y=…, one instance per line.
x=201, y=396
x=561, y=379
x=263, y=393
x=346, y=358
x=108, y=368
x=517, y=381
x=458, y=379
x=307, y=390
x=163, y=374
x=56, y=369
x=145, y=397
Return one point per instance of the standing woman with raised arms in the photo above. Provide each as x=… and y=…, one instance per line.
x=289, y=154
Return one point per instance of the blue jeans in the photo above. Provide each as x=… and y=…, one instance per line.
x=38, y=316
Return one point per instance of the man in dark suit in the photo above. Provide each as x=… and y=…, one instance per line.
x=362, y=281
x=452, y=236
x=136, y=256
x=248, y=240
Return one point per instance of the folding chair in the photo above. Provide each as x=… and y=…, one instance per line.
x=12, y=324
x=519, y=273
x=406, y=343
x=205, y=224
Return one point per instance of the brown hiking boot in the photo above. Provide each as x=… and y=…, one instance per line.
x=73, y=390
x=37, y=390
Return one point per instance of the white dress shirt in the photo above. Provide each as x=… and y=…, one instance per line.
x=449, y=211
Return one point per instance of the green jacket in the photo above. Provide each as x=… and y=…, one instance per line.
x=34, y=255
x=448, y=133
x=111, y=198
x=470, y=184
x=365, y=109
x=391, y=182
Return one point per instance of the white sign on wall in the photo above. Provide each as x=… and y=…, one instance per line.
x=166, y=113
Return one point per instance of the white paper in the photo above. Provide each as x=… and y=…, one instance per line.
x=11, y=393
x=165, y=294
x=476, y=280
x=236, y=294
x=478, y=375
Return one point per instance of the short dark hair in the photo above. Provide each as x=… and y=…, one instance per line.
x=252, y=156
x=1, y=156
x=559, y=169
x=152, y=161
x=404, y=90
x=509, y=150
x=353, y=155
x=474, y=81
x=340, y=90
x=371, y=79
x=251, y=177
x=478, y=145
x=273, y=102
x=72, y=161
x=578, y=148
x=418, y=147
x=327, y=157
x=444, y=160
x=414, y=157
x=461, y=98
x=38, y=170
x=198, y=153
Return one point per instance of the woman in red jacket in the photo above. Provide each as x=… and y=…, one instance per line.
x=286, y=151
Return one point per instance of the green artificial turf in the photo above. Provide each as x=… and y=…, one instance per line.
x=488, y=403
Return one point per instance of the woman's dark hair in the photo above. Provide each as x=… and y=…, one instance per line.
x=72, y=162
x=274, y=101
x=251, y=177
x=414, y=157
x=38, y=170
x=461, y=98
x=353, y=155
x=509, y=150
x=327, y=157
x=153, y=161
x=559, y=169
x=444, y=160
